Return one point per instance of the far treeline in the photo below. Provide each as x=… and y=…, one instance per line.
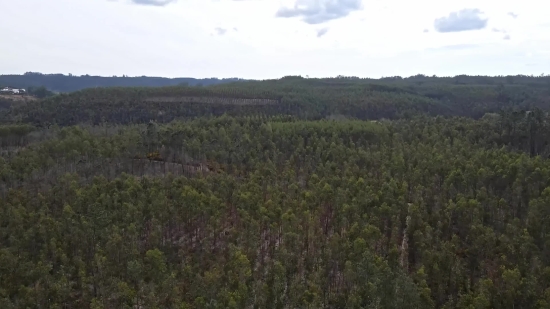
x=305, y=98
x=70, y=83
x=396, y=193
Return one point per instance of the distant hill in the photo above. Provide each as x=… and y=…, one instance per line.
x=70, y=83
x=307, y=98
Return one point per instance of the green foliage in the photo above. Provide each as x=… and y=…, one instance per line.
x=39, y=92
x=309, y=99
x=272, y=210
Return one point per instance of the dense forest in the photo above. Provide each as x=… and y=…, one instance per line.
x=310, y=99
x=294, y=193
x=70, y=83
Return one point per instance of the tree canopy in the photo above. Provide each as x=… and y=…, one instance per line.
x=292, y=193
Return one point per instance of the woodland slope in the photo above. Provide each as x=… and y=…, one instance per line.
x=292, y=193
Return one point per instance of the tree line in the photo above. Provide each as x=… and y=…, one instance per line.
x=305, y=98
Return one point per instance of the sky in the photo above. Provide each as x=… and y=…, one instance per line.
x=264, y=39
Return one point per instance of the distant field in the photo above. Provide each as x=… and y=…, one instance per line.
x=212, y=100
x=17, y=98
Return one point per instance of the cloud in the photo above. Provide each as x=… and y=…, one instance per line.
x=220, y=31
x=463, y=20
x=319, y=11
x=322, y=32
x=153, y=2
x=453, y=47
x=514, y=15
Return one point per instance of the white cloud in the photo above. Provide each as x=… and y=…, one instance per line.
x=381, y=39
x=319, y=11
x=463, y=20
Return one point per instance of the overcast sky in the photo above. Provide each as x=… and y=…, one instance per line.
x=272, y=38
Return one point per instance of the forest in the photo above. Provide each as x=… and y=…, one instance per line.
x=419, y=192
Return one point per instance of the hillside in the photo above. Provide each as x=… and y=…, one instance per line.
x=389, y=98
x=411, y=193
x=9, y=101
x=70, y=83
